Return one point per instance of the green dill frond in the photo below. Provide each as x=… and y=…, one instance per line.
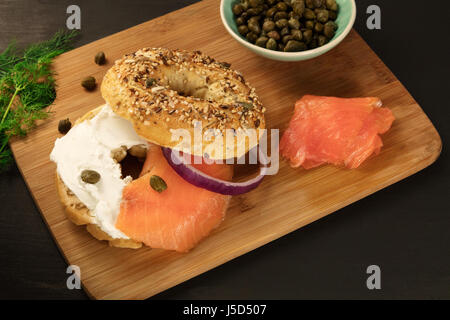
x=8, y=58
x=27, y=86
x=61, y=42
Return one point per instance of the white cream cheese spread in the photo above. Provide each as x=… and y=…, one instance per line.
x=88, y=146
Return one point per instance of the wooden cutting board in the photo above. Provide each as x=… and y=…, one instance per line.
x=283, y=203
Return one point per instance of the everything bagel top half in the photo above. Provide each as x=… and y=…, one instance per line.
x=160, y=90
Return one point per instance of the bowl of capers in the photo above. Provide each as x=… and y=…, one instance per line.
x=288, y=30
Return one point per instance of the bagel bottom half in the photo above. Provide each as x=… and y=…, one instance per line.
x=79, y=214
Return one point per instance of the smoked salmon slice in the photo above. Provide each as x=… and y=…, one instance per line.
x=180, y=216
x=333, y=130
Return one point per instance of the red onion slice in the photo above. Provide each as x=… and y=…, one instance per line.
x=202, y=180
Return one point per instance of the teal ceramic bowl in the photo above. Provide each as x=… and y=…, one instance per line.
x=345, y=20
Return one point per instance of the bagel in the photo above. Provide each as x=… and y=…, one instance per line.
x=149, y=94
x=159, y=90
x=79, y=214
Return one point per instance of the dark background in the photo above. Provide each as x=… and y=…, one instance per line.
x=405, y=228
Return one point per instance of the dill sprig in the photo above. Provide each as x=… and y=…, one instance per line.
x=27, y=86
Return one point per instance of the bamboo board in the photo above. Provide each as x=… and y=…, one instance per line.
x=282, y=204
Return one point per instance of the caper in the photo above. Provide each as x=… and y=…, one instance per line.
x=284, y=31
x=303, y=46
x=255, y=3
x=271, y=44
x=322, y=16
x=254, y=27
x=318, y=3
x=254, y=11
x=292, y=14
x=261, y=41
x=64, y=126
x=313, y=44
x=100, y=58
x=240, y=21
x=307, y=36
x=331, y=5
x=322, y=40
x=329, y=29
x=332, y=24
x=318, y=27
x=281, y=47
x=245, y=16
x=274, y=35
x=271, y=12
x=271, y=2
x=282, y=23
x=309, y=24
x=238, y=9
x=263, y=7
x=280, y=15
x=89, y=83
x=309, y=4
x=332, y=15
x=138, y=151
x=309, y=14
x=294, y=23
x=157, y=183
x=281, y=6
x=297, y=35
x=251, y=36
x=294, y=45
x=287, y=38
x=119, y=154
x=90, y=176
x=298, y=6
x=268, y=26
x=243, y=30
x=254, y=19
x=245, y=4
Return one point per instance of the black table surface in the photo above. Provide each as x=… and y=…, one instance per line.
x=404, y=228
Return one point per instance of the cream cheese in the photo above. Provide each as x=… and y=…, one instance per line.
x=88, y=145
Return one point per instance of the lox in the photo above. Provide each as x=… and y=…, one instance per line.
x=339, y=131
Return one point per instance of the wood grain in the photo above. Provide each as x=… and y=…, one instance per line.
x=283, y=203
